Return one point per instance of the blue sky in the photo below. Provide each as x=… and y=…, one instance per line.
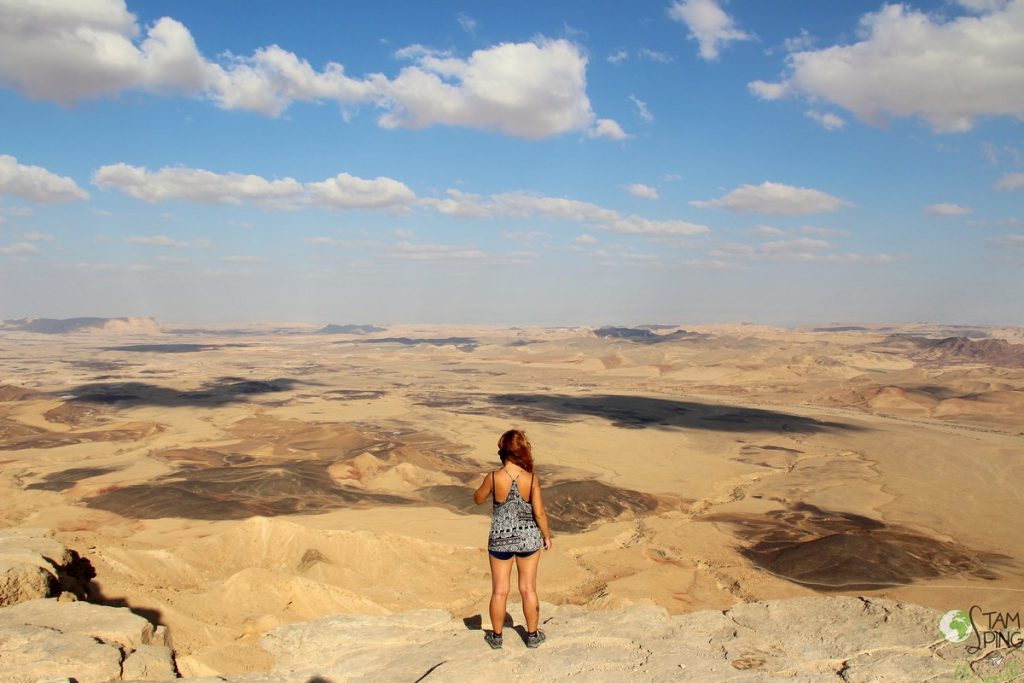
x=568, y=163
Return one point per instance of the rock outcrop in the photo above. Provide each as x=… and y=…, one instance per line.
x=805, y=640
x=43, y=637
x=34, y=565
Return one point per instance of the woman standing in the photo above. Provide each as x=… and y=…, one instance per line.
x=519, y=529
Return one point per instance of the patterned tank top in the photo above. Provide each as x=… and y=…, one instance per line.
x=513, y=528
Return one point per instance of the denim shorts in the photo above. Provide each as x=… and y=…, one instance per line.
x=508, y=556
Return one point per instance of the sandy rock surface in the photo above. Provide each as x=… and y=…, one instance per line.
x=804, y=639
x=45, y=638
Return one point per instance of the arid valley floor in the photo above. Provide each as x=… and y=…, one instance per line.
x=225, y=481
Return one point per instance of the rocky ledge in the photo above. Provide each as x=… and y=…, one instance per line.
x=47, y=632
x=844, y=639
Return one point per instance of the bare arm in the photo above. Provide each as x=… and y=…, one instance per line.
x=484, y=490
x=539, y=514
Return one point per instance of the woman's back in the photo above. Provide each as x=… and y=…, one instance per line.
x=504, y=478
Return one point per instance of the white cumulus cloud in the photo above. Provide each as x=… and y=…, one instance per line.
x=435, y=252
x=826, y=120
x=193, y=185
x=527, y=205
x=1011, y=181
x=531, y=90
x=644, y=191
x=607, y=128
x=775, y=198
x=69, y=51
x=157, y=241
x=946, y=210
x=346, y=191
x=19, y=249
x=908, y=63
x=343, y=191
x=709, y=25
x=37, y=184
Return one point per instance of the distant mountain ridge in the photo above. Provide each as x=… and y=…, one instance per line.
x=991, y=351
x=141, y=325
x=645, y=335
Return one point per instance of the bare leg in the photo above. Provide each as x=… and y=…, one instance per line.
x=501, y=571
x=526, y=567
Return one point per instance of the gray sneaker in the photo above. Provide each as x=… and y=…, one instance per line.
x=535, y=639
x=492, y=639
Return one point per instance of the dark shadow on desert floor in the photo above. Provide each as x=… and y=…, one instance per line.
x=467, y=344
x=639, y=412
x=220, y=391
x=65, y=479
x=836, y=551
x=171, y=348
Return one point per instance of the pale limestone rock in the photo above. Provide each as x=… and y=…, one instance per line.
x=23, y=578
x=33, y=564
x=149, y=663
x=37, y=541
x=33, y=653
x=804, y=640
x=115, y=625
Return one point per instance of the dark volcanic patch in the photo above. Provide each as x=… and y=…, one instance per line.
x=10, y=392
x=458, y=498
x=61, y=481
x=576, y=505
x=467, y=344
x=98, y=365
x=16, y=437
x=834, y=551
x=238, y=492
x=572, y=506
x=171, y=348
x=202, y=457
x=958, y=349
x=74, y=414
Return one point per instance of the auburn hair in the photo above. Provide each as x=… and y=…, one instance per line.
x=513, y=446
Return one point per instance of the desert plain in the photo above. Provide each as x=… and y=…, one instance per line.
x=226, y=480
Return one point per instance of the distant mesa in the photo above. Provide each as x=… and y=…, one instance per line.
x=68, y=325
x=646, y=334
x=171, y=348
x=350, y=329
x=990, y=351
